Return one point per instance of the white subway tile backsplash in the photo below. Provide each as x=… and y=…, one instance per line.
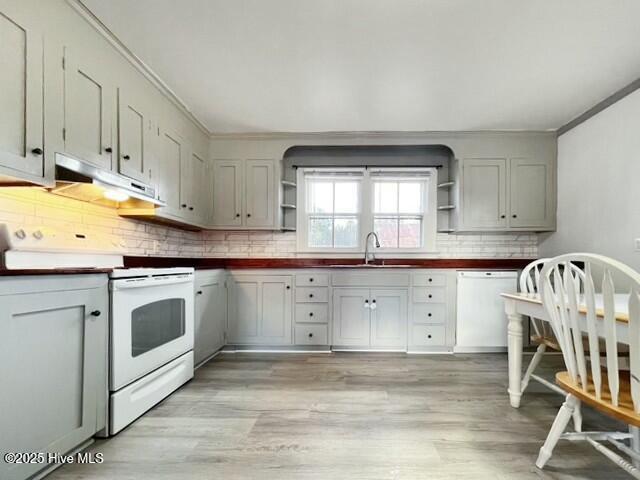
x=32, y=206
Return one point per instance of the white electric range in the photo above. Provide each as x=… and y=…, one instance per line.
x=151, y=313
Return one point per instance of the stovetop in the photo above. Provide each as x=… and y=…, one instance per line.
x=148, y=272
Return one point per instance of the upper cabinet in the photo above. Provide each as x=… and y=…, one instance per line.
x=89, y=102
x=21, y=98
x=245, y=194
x=135, y=128
x=505, y=194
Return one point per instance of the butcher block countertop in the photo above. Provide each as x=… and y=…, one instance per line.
x=237, y=263
x=52, y=271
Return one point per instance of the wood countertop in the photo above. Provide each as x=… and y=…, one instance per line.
x=52, y=271
x=238, y=263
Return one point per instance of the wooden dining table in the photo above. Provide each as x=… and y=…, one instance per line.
x=518, y=306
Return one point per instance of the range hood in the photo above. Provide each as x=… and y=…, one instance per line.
x=83, y=181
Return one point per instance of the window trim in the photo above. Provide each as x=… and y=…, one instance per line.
x=366, y=216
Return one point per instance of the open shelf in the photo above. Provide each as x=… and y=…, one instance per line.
x=287, y=183
x=446, y=207
x=446, y=184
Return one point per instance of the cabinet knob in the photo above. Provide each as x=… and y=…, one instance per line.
x=429, y=336
x=373, y=301
x=311, y=295
x=126, y=157
x=237, y=215
x=430, y=280
x=108, y=149
x=311, y=280
x=311, y=314
x=428, y=314
x=514, y=215
x=184, y=205
x=430, y=296
x=502, y=216
x=199, y=292
x=248, y=215
x=190, y=208
x=37, y=151
x=310, y=335
x=288, y=287
x=96, y=313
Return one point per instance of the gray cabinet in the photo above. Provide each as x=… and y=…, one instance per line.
x=53, y=364
x=505, y=194
x=210, y=313
x=245, y=194
x=531, y=193
x=135, y=129
x=171, y=152
x=21, y=96
x=260, y=309
x=369, y=318
x=89, y=109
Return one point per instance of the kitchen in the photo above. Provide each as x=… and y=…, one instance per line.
x=291, y=261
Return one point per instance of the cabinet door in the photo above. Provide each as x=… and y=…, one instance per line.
x=245, y=306
x=134, y=132
x=21, y=96
x=484, y=194
x=227, y=193
x=259, y=193
x=53, y=369
x=389, y=318
x=276, y=300
x=351, y=317
x=169, y=170
x=531, y=193
x=210, y=317
x=194, y=182
x=89, y=104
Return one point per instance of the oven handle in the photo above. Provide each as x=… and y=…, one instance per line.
x=146, y=282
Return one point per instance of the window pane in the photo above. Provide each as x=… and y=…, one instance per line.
x=387, y=230
x=385, y=197
x=410, y=197
x=346, y=232
x=346, y=197
x=410, y=233
x=320, y=232
x=320, y=197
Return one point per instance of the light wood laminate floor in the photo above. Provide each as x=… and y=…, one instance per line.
x=346, y=416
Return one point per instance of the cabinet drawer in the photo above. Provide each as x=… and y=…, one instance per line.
x=312, y=280
x=429, y=313
x=312, y=294
x=429, y=295
x=312, y=313
x=427, y=335
x=428, y=280
x=312, y=335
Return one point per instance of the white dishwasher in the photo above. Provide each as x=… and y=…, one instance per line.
x=481, y=322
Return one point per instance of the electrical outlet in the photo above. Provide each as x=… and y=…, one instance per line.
x=637, y=244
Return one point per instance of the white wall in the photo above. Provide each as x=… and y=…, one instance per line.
x=599, y=185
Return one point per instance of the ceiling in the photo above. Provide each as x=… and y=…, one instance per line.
x=382, y=65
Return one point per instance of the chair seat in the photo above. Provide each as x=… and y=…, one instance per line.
x=624, y=411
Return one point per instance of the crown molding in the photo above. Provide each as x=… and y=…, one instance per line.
x=374, y=134
x=137, y=63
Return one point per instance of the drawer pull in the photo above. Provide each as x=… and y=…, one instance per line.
x=96, y=313
x=430, y=296
x=431, y=280
x=310, y=335
x=288, y=287
x=311, y=279
x=311, y=314
x=429, y=336
x=429, y=314
x=311, y=295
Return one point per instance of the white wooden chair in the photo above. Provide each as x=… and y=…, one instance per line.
x=542, y=334
x=602, y=385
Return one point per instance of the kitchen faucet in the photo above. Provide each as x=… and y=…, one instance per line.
x=366, y=247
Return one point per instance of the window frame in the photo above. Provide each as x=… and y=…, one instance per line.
x=428, y=175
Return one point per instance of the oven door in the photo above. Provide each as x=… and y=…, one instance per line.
x=151, y=324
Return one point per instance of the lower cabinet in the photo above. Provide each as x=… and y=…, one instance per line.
x=211, y=313
x=370, y=318
x=260, y=310
x=53, y=365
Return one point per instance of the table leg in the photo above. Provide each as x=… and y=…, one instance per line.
x=514, y=330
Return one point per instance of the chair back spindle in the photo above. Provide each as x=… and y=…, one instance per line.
x=568, y=293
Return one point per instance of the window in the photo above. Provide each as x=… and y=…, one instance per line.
x=337, y=208
x=333, y=210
